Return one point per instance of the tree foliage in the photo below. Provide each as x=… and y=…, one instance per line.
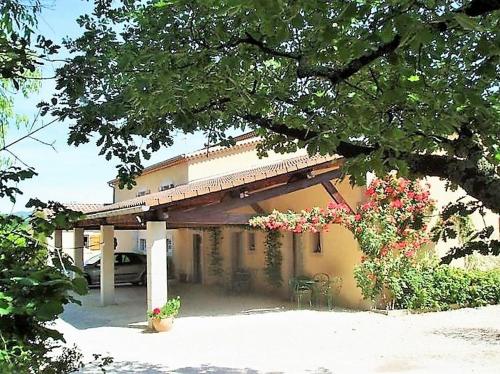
x=406, y=85
x=35, y=280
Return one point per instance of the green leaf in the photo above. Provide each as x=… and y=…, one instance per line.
x=80, y=285
x=466, y=22
x=49, y=310
x=5, y=304
x=413, y=78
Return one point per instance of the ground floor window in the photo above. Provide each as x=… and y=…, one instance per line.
x=142, y=245
x=316, y=242
x=170, y=247
x=251, y=241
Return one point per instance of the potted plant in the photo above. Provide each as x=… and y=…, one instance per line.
x=163, y=318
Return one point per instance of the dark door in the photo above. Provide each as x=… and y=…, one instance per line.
x=196, y=258
x=236, y=251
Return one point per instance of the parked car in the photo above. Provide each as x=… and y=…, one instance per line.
x=130, y=267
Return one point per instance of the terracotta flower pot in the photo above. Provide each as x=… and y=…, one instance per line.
x=163, y=324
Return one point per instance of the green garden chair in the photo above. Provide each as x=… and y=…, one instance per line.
x=301, y=290
x=326, y=290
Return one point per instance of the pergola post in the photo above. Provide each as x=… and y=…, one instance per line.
x=56, y=241
x=78, y=235
x=156, y=241
x=107, y=265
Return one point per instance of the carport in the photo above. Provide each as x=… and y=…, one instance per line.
x=206, y=203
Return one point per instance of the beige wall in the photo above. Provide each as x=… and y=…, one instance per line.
x=177, y=174
x=340, y=251
x=233, y=160
x=443, y=197
x=212, y=165
x=127, y=240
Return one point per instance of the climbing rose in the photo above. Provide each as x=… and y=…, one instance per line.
x=397, y=203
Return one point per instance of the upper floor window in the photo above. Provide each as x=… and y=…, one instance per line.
x=143, y=193
x=316, y=242
x=164, y=187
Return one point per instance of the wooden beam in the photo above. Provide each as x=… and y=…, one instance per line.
x=335, y=194
x=211, y=219
x=254, y=197
x=258, y=209
x=217, y=200
x=217, y=196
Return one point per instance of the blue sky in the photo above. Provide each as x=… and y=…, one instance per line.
x=69, y=174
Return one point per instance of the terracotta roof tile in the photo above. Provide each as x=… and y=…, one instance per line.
x=84, y=208
x=244, y=140
x=205, y=186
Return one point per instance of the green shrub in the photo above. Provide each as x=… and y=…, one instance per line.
x=32, y=295
x=443, y=286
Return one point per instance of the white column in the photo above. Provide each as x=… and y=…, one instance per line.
x=156, y=241
x=78, y=234
x=58, y=239
x=107, y=266
x=57, y=250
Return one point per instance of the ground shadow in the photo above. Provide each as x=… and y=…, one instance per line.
x=122, y=367
x=473, y=335
x=130, y=305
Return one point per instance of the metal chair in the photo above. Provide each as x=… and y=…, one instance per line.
x=320, y=287
x=301, y=288
x=327, y=291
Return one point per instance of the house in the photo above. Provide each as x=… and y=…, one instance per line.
x=176, y=203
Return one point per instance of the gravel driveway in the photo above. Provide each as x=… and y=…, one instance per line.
x=218, y=333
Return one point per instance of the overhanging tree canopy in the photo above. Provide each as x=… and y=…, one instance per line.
x=407, y=85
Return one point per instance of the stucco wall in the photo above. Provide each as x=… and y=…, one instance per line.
x=212, y=165
x=233, y=160
x=127, y=240
x=177, y=174
x=340, y=251
x=443, y=197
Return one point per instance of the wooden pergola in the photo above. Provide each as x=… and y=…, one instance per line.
x=202, y=204
x=214, y=208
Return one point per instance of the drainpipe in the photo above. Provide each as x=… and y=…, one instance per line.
x=112, y=185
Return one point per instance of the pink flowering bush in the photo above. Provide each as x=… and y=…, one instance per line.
x=391, y=228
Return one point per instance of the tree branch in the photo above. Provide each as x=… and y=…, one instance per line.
x=28, y=135
x=482, y=185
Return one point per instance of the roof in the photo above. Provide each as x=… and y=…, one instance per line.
x=219, y=183
x=84, y=208
x=242, y=141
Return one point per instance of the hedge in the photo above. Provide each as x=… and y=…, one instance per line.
x=442, y=287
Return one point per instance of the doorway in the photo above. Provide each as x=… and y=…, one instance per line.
x=237, y=244
x=197, y=275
